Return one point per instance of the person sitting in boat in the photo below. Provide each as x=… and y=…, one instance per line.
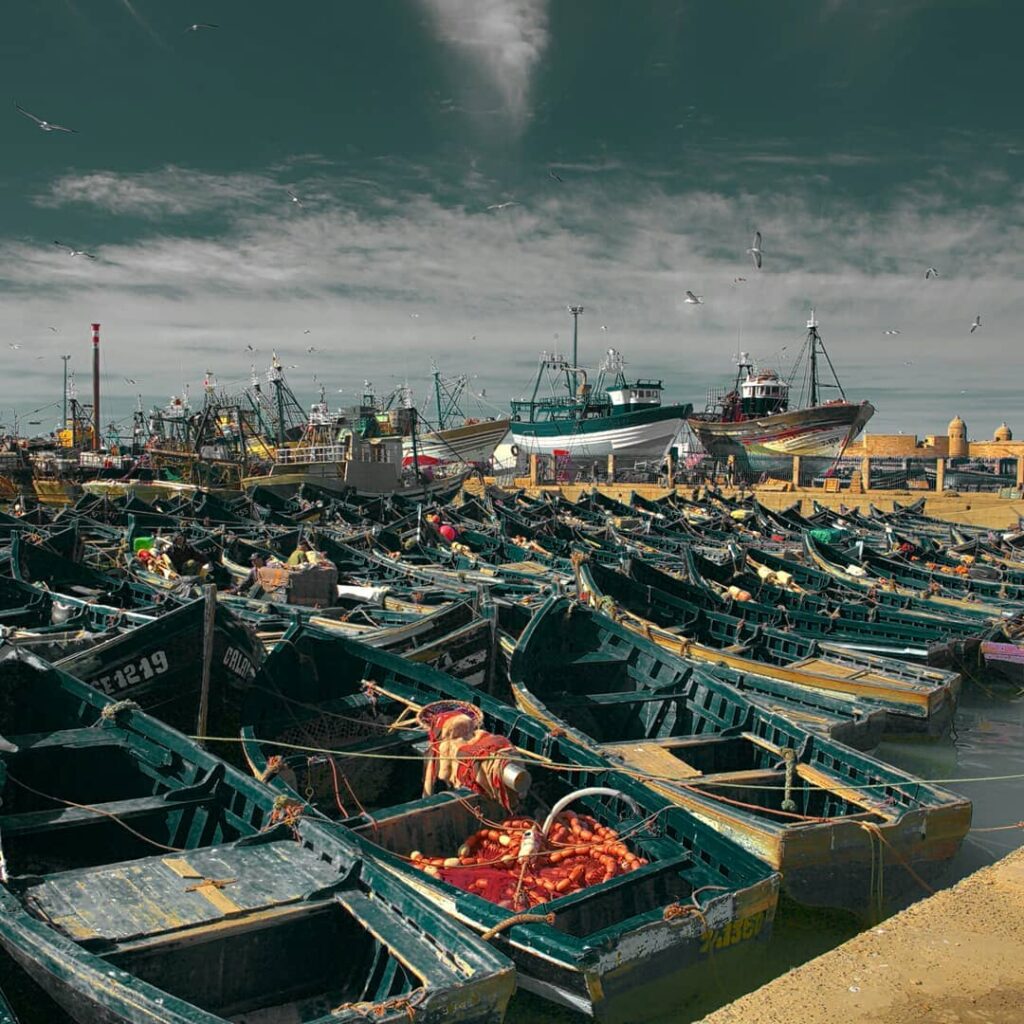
x=303, y=554
x=184, y=558
x=251, y=585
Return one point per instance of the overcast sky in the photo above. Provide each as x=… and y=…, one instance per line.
x=866, y=140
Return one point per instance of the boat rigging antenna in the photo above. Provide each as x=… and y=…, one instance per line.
x=575, y=311
x=447, y=393
x=813, y=338
x=814, y=343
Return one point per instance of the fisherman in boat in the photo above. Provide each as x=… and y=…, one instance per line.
x=251, y=585
x=184, y=558
x=302, y=555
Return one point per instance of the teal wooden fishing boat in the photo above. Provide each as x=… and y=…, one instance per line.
x=946, y=589
x=844, y=829
x=33, y=563
x=21, y=604
x=916, y=698
x=893, y=638
x=767, y=585
x=818, y=579
x=159, y=665
x=349, y=724
x=146, y=881
x=453, y=636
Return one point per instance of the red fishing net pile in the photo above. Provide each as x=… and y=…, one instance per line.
x=578, y=852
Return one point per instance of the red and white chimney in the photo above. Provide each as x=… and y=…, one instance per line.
x=96, y=385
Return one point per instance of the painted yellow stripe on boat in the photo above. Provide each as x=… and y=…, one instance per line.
x=209, y=889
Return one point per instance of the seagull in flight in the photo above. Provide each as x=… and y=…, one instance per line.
x=502, y=206
x=130, y=380
x=311, y=349
x=14, y=346
x=892, y=331
x=554, y=177
x=199, y=25
x=249, y=348
x=46, y=126
x=71, y=251
x=55, y=331
x=292, y=197
x=930, y=272
x=755, y=250
x=604, y=327
x=976, y=324
x=691, y=299
x=739, y=280
x=307, y=331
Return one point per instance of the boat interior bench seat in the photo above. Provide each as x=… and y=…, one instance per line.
x=160, y=897
x=627, y=697
x=29, y=822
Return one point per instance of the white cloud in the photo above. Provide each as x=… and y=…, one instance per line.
x=505, y=39
x=171, y=190
x=174, y=304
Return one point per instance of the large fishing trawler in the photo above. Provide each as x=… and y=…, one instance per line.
x=584, y=418
x=754, y=417
x=356, y=450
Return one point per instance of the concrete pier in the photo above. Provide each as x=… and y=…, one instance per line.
x=954, y=958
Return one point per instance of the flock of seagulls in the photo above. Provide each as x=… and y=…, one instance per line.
x=757, y=256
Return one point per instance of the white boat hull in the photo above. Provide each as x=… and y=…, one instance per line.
x=472, y=443
x=643, y=440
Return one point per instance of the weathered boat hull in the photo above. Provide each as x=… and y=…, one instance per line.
x=471, y=443
x=823, y=430
x=366, y=480
x=159, y=666
x=1004, y=659
x=917, y=699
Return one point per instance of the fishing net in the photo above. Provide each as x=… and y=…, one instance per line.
x=579, y=852
x=369, y=777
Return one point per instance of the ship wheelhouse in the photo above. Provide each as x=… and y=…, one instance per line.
x=642, y=394
x=763, y=394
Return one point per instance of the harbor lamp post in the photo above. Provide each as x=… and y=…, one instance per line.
x=575, y=311
x=64, y=421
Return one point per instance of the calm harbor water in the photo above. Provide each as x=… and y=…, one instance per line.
x=988, y=742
